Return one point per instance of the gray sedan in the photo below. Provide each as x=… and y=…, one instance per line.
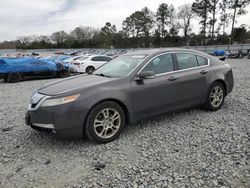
x=127, y=89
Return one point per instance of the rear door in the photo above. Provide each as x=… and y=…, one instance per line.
x=159, y=94
x=194, y=75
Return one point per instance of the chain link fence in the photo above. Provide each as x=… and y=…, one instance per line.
x=211, y=48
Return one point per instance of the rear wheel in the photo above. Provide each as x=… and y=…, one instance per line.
x=105, y=122
x=14, y=77
x=64, y=73
x=90, y=69
x=216, y=97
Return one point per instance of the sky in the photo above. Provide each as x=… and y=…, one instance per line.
x=43, y=17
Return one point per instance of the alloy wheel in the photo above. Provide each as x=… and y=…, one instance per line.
x=216, y=96
x=107, y=123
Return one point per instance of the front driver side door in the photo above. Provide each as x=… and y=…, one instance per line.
x=160, y=94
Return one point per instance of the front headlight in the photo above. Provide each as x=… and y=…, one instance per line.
x=61, y=100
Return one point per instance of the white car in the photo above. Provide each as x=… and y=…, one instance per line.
x=74, y=58
x=88, y=64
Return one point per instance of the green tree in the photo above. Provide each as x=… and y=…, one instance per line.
x=78, y=34
x=107, y=35
x=59, y=38
x=240, y=34
x=239, y=8
x=214, y=7
x=162, y=18
x=224, y=16
x=138, y=26
x=202, y=8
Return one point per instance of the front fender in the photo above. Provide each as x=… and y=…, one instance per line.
x=90, y=99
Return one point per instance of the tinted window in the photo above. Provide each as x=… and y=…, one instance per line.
x=186, y=60
x=107, y=58
x=160, y=64
x=95, y=58
x=82, y=58
x=202, y=61
x=101, y=58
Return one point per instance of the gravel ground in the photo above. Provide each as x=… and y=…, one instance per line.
x=192, y=148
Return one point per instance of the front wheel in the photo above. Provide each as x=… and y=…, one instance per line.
x=105, y=122
x=14, y=77
x=215, y=97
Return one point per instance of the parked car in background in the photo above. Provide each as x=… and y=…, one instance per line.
x=17, y=69
x=73, y=58
x=62, y=59
x=88, y=64
x=127, y=89
x=236, y=54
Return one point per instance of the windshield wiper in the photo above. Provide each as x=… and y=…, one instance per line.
x=103, y=75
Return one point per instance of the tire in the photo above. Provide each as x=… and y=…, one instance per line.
x=90, y=69
x=64, y=73
x=14, y=77
x=215, y=97
x=101, y=129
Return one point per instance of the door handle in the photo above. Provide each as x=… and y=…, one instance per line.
x=173, y=78
x=204, y=72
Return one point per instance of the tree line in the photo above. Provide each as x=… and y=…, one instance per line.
x=168, y=26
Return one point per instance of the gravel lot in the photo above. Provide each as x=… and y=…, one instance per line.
x=192, y=148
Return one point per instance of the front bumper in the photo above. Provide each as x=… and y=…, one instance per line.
x=64, y=120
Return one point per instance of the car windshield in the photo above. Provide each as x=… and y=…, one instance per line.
x=120, y=66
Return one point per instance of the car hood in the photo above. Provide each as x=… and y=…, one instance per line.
x=73, y=84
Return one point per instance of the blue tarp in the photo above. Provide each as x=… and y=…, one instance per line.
x=219, y=53
x=10, y=65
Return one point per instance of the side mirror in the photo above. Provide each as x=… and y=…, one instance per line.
x=145, y=75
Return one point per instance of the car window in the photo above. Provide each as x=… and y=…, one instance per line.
x=107, y=58
x=160, y=64
x=96, y=58
x=186, y=60
x=82, y=58
x=121, y=66
x=202, y=61
x=101, y=58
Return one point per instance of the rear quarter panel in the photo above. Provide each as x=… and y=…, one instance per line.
x=223, y=72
